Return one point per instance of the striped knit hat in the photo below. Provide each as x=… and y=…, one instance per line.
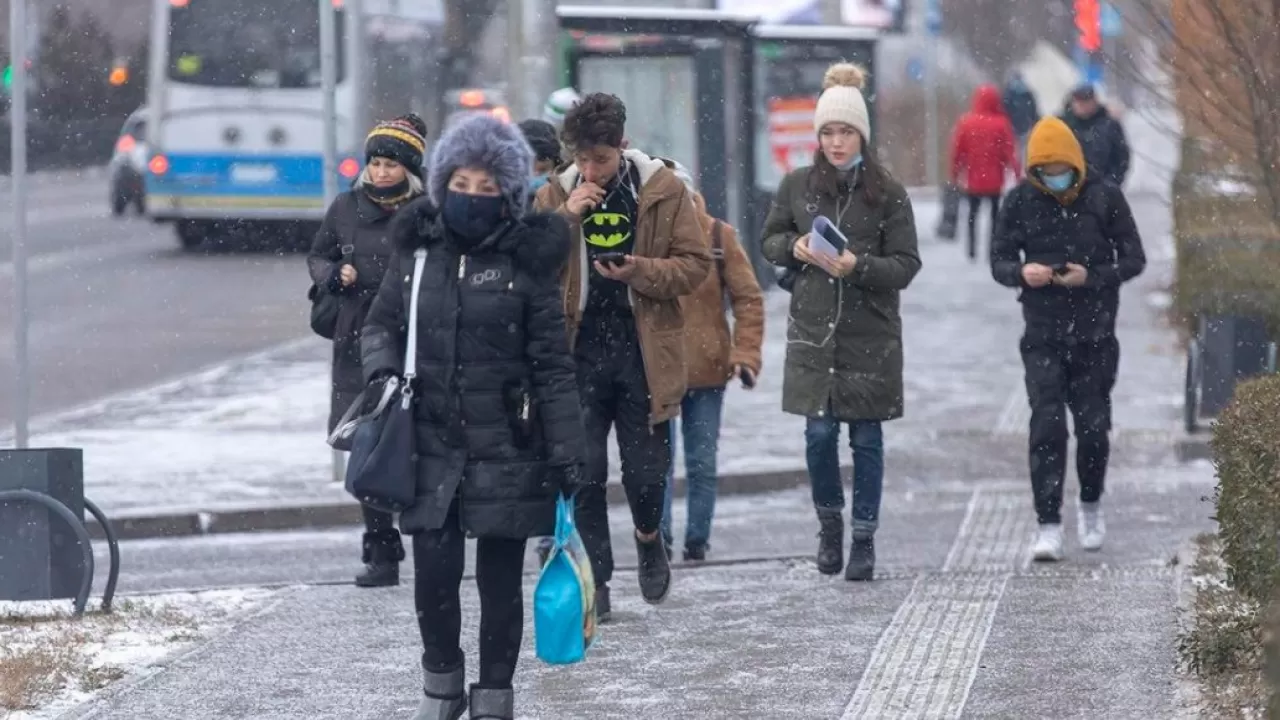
x=402, y=139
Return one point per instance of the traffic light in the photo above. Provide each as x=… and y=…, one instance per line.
x=8, y=77
x=1089, y=23
x=119, y=76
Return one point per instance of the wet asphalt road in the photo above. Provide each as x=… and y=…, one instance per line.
x=116, y=305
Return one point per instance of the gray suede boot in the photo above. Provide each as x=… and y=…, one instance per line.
x=492, y=703
x=444, y=695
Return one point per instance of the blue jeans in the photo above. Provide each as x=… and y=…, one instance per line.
x=700, y=426
x=822, y=455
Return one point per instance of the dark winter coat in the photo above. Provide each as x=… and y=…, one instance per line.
x=852, y=369
x=1106, y=151
x=1094, y=229
x=491, y=333
x=1020, y=105
x=357, y=226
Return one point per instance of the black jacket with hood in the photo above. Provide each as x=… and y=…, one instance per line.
x=1090, y=225
x=497, y=413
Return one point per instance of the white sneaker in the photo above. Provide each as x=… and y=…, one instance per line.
x=1048, y=547
x=1091, y=527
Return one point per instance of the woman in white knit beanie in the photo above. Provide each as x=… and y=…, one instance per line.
x=844, y=336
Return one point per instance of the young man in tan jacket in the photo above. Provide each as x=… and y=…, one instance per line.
x=638, y=248
x=714, y=357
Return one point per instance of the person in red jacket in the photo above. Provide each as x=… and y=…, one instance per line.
x=982, y=150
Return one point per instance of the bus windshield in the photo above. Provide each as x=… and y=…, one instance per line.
x=248, y=43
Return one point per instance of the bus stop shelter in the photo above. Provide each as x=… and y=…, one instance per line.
x=686, y=77
x=730, y=98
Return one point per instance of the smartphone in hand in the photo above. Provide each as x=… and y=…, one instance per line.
x=612, y=258
x=748, y=380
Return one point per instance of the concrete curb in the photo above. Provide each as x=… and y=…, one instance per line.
x=191, y=523
x=1194, y=447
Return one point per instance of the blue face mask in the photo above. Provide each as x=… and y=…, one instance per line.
x=472, y=217
x=537, y=181
x=855, y=161
x=1059, y=182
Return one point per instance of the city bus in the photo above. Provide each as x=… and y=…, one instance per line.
x=236, y=106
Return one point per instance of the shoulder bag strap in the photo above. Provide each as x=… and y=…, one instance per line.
x=411, y=342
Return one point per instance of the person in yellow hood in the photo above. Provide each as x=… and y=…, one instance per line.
x=1067, y=241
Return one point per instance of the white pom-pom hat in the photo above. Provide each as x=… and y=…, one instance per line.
x=841, y=100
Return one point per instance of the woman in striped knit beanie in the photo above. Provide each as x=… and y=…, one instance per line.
x=348, y=258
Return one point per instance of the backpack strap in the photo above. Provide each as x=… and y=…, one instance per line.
x=717, y=251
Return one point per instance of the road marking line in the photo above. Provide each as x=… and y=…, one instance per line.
x=925, y=661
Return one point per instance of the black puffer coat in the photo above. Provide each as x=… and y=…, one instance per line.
x=1096, y=229
x=357, y=226
x=491, y=334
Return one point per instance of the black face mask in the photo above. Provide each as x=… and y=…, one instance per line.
x=472, y=217
x=390, y=194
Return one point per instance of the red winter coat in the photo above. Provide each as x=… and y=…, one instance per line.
x=982, y=147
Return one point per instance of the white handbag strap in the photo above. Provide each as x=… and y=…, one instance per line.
x=411, y=342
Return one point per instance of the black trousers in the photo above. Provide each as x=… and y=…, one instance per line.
x=1079, y=376
x=975, y=204
x=377, y=521
x=615, y=395
x=439, y=557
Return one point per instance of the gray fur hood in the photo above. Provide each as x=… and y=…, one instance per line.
x=483, y=141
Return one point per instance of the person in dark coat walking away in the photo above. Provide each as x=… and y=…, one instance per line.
x=1023, y=111
x=1067, y=241
x=545, y=141
x=844, y=334
x=1101, y=137
x=715, y=355
x=498, y=421
x=637, y=249
x=348, y=258
x=982, y=156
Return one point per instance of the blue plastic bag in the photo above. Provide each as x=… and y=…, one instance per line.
x=564, y=600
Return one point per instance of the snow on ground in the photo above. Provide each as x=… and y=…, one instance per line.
x=251, y=433
x=51, y=661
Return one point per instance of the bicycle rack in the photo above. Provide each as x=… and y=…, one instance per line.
x=77, y=526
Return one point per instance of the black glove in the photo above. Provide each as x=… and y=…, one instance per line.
x=374, y=390
x=567, y=478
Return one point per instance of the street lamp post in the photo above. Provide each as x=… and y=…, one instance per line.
x=328, y=89
x=18, y=189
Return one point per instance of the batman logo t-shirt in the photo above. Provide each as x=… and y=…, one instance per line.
x=610, y=228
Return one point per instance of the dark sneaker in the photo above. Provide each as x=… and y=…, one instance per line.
x=862, y=559
x=695, y=553
x=830, y=541
x=381, y=555
x=654, y=570
x=603, y=612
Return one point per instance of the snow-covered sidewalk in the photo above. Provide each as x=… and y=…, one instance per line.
x=251, y=433
x=51, y=662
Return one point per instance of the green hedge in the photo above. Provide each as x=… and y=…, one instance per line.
x=1246, y=452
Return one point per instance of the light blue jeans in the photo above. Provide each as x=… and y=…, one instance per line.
x=700, y=413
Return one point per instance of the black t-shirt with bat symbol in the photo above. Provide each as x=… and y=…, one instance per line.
x=610, y=228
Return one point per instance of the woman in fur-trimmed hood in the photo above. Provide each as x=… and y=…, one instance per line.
x=498, y=423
